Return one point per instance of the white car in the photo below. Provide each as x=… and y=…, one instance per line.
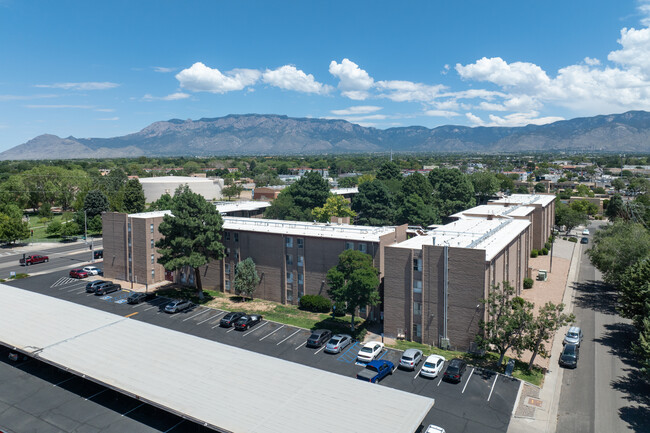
x=434, y=429
x=585, y=232
x=369, y=351
x=92, y=270
x=432, y=366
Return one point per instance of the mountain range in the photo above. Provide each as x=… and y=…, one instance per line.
x=270, y=134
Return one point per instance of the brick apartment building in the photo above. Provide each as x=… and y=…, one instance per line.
x=542, y=218
x=463, y=260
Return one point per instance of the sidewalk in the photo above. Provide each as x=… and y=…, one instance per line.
x=536, y=409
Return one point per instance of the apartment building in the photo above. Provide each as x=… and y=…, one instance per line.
x=433, y=283
x=542, y=218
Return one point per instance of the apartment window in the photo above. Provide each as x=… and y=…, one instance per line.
x=301, y=261
x=417, y=308
x=417, y=265
x=289, y=277
x=227, y=283
x=349, y=245
x=289, y=259
x=289, y=295
x=300, y=242
x=301, y=278
x=363, y=310
x=362, y=248
x=129, y=243
x=300, y=293
x=152, y=259
x=129, y=225
x=417, y=330
x=226, y=235
x=235, y=237
x=227, y=252
x=226, y=268
x=417, y=286
x=153, y=274
x=237, y=255
x=151, y=228
x=289, y=242
x=152, y=243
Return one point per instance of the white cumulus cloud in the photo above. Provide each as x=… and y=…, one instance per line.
x=498, y=71
x=201, y=78
x=289, y=78
x=354, y=82
x=91, y=85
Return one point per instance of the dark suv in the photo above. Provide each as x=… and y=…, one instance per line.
x=319, y=337
x=107, y=288
x=93, y=285
x=455, y=370
x=570, y=355
x=229, y=319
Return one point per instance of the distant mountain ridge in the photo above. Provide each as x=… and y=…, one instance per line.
x=271, y=134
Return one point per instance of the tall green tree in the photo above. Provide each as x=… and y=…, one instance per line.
x=354, y=282
x=634, y=291
x=335, y=206
x=569, y=217
x=642, y=347
x=191, y=235
x=618, y=246
x=134, y=201
x=95, y=203
x=373, y=204
x=310, y=191
x=615, y=208
x=485, y=185
x=453, y=190
x=415, y=211
x=246, y=278
x=618, y=184
x=419, y=185
x=389, y=171
x=549, y=319
x=163, y=203
x=13, y=229
x=507, y=323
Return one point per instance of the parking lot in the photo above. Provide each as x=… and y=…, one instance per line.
x=482, y=401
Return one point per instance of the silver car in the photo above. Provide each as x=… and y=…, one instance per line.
x=410, y=359
x=338, y=343
x=573, y=336
x=176, y=306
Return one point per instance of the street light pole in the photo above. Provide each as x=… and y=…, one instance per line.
x=85, y=228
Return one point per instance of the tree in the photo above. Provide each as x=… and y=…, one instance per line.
x=389, y=170
x=54, y=228
x=95, y=203
x=70, y=228
x=618, y=184
x=522, y=189
x=246, y=278
x=549, y=319
x=335, y=206
x=615, y=208
x=134, y=201
x=415, y=211
x=642, y=346
x=373, y=204
x=568, y=217
x=163, y=203
x=419, y=185
x=506, y=182
x=348, y=182
x=310, y=191
x=191, y=235
x=584, y=206
x=353, y=281
x=283, y=207
x=540, y=187
x=13, y=229
x=618, y=246
x=453, y=191
x=508, y=319
x=634, y=292
x=232, y=190
x=485, y=184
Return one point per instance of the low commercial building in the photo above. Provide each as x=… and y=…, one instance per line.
x=155, y=187
x=543, y=218
x=433, y=284
x=243, y=208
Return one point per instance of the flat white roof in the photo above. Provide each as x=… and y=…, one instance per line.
x=497, y=210
x=299, y=228
x=343, y=191
x=477, y=233
x=530, y=199
x=176, y=179
x=233, y=206
x=265, y=394
x=154, y=214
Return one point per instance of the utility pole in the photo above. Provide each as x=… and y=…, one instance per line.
x=85, y=228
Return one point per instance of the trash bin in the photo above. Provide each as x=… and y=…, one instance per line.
x=510, y=367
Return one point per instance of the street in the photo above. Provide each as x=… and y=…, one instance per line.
x=605, y=392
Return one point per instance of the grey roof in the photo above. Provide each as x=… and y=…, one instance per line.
x=266, y=394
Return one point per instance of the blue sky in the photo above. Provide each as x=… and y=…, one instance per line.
x=102, y=69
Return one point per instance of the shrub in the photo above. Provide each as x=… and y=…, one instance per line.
x=572, y=239
x=339, y=311
x=534, y=253
x=547, y=245
x=315, y=303
x=528, y=283
x=564, y=238
x=544, y=251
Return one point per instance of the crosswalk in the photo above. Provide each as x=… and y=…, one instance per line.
x=63, y=281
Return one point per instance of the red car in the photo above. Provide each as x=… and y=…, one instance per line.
x=78, y=273
x=33, y=259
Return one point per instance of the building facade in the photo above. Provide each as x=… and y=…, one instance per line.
x=155, y=187
x=543, y=217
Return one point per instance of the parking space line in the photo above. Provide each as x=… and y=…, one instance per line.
x=321, y=348
x=132, y=314
x=176, y=425
x=218, y=324
x=95, y=395
x=64, y=381
x=271, y=332
x=301, y=344
x=288, y=337
x=231, y=329
x=493, y=383
x=440, y=381
x=210, y=318
x=255, y=329
x=418, y=373
x=382, y=355
x=205, y=310
x=470, y=376
x=126, y=413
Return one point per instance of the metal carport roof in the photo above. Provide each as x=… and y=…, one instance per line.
x=189, y=375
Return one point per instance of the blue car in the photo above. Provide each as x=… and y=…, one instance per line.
x=376, y=371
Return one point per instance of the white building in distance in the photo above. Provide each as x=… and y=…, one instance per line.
x=155, y=187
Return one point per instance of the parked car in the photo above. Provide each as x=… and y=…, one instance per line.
x=432, y=366
x=247, y=321
x=376, y=371
x=107, y=288
x=585, y=232
x=93, y=285
x=98, y=254
x=569, y=356
x=455, y=370
x=78, y=273
x=410, y=359
x=584, y=240
x=338, y=343
x=137, y=297
x=229, y=319
x=93, y=270
x=177, y=305
x=319, y=337
x=434, y=429
x=33, y=259
x=573, y=336
x=369, y=351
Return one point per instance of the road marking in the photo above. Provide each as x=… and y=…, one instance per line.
x=418, y=373
x=95, y=395
x=198, y=314
x=179, y=423
x=382, y=355
x=288, y=337
x=301, y=344
x=494, y=383
x=126, y=413
x=271, y=332
x=231, y=329
x=255, y=329
x=64, y=381
x=321, y=348
x=132, y=314
x=440, y=380
x=210, y=318
x=470, y=376
x=218, y=324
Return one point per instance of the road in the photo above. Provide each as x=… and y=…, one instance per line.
x=604, y=393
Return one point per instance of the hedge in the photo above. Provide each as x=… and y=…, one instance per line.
x=315, y=303
x=534, y=253
x=528, y=283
